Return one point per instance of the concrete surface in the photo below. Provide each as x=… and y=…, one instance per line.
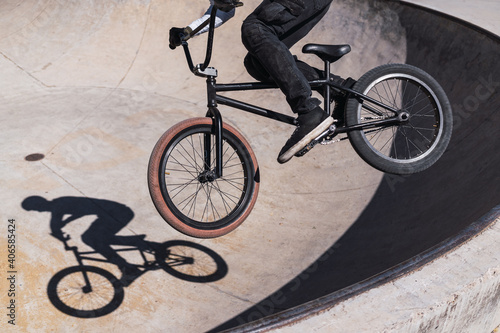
x=444, y=289
x=482, y=13
x=93, y=85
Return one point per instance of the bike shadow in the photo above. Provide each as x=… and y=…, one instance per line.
x=87, y=290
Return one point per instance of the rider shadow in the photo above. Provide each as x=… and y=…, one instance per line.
x=88, y=291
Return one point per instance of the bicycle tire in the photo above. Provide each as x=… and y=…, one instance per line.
x=66, y=292
x=173, y=170
x=408, y=147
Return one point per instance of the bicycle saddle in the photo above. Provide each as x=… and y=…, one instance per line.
x=329, y=53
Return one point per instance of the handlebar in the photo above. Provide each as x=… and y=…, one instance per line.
x=208, y=55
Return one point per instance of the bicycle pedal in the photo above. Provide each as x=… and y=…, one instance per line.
x=319, y=139
x=306, y=149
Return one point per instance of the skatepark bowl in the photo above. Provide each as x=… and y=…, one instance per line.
x=332, y=245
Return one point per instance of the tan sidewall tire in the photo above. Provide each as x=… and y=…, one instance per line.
x=155, y=188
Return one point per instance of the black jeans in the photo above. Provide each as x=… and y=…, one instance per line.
x=269, y=32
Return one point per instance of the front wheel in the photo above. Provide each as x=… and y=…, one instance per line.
x=415, y=143
x=184, y=188
x=85, y=291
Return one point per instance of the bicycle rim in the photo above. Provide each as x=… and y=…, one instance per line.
x=410, y=141
x=201, y=203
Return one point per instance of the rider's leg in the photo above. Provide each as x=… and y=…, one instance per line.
x=102, y=234
x=268, y=33
x=277, y=60
x=98, y=237
x=258, y=72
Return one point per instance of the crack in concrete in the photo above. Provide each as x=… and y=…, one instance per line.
x=25, y=71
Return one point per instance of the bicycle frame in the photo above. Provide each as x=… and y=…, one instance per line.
x=81, y=256
x=213, y=98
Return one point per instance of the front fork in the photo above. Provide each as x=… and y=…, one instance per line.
x=213, y=113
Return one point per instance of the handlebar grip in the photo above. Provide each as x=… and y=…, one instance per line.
x=178, y=36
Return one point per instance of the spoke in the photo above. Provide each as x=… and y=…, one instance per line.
x=193, y=204
x=378, y=134
x=194, y=164
x=190, y=198
x=227, y=195
x=205, y=206
x=182, y=165
x=421, y=113
x=224, y=202
x=207, y=190
x=202, y=149
x=392, y=95
x=407, y=143
x=234, y=165
x=405, y=107
x=182, y=186
x=394, y=131
x=221, y=193
x=382, y=99
x=419, y=133
x=419, y=128
x=411, y=141
x=232, y=183
x=230, y=158
x=194, y=150
x=404, y=92
x=226, y=175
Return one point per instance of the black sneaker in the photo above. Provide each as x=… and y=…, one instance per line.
x=310, y=126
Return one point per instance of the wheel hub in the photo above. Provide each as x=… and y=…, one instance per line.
x=207, y=176
x=404, y=116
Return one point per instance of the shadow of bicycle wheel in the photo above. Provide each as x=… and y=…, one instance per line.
x=85, y=291
x=190, y=261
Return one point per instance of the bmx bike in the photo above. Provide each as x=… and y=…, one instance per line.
x=203, y=176
x=86, y=291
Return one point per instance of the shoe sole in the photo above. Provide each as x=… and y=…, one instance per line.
x=287, y=156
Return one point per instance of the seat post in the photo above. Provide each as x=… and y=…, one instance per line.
x=326, y=87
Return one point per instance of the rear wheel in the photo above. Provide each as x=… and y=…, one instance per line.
x=419, y=140
x=190, y=261
x=184, y=188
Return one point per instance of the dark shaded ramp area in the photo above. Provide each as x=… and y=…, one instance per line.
x=409, y=215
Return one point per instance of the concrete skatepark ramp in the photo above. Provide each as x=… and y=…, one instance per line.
x=92, y=86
